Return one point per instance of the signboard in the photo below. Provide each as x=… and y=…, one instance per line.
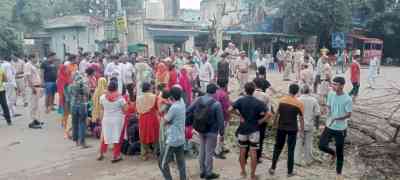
x=29, y=41
x=338, y=40
x=121, y=24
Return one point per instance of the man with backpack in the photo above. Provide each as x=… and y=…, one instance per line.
x=208, y=120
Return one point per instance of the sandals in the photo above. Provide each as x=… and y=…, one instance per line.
x=116, y=160
x=100, y=157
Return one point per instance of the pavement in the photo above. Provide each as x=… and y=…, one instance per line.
x=44, y=154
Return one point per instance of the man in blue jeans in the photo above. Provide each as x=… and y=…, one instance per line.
x=49, y=69
x=175, y=135
x=215, y=126
x=79, y=111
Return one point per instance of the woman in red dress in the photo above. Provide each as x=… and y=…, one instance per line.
x=63, y=80
x=149, y=123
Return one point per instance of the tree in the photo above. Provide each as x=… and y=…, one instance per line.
x=9, y=43
x=383, y=22
x=315, y=17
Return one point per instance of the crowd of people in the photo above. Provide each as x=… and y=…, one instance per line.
x=154, y=107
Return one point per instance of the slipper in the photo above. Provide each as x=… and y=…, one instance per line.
x=116, y=160
x=100, y=158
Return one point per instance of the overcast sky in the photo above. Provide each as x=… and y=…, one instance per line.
x=190, y=4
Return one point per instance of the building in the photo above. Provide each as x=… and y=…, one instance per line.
x=190, y=15
x=248, y=25
x=160, y=28
x=69, y=33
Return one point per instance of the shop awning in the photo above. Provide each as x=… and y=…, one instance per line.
x=136, y=47
x=253, y=33
x=172, y=32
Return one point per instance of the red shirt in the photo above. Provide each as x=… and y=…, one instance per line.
x=355, y=72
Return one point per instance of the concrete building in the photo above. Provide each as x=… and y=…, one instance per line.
x=160, y=28
x=249, y=29
x=68, y=33
x=190, y=15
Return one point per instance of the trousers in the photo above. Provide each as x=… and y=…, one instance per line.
x=167, y=156
x=35, y=108
x=324, y=141
x=11, y=95
x=280, y=143
x=79, y=116
x=21, y=89
x=4, y=106
x=208, y=142
x=304, y=148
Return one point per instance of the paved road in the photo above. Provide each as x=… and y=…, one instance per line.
x=45, y=154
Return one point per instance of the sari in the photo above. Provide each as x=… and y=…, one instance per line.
x=63, y=79
x=173, y=78
x=149, y=124
x=184, y=82
x=100, y=90
x=162, y=73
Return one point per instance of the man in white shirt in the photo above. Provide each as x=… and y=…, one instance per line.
x=243, y=70
x=298, y=61
x=128, y=73
x=10, y=86
x=288, y=64
x=34, y=82
x=18, y=65
x=114, y=69
x=143, y=72
x=311, y=115
x=281, y=58
x=232, y=57
x=306, y=76
x=84, y=64
x=206, y=74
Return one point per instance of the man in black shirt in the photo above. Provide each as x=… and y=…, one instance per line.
x=252, y=112
x=290, y=109
x=223, y=70
x=49, y=71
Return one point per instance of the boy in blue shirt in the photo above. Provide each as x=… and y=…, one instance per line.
x=340, y=108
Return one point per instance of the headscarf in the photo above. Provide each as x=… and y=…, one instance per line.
x=162, y=73
x=173, y=78
x=100, y=90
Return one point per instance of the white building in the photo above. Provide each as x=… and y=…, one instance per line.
x=68, y=33
x=161, y=29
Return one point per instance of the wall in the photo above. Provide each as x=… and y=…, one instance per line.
x=75, y=37
x=154, y=9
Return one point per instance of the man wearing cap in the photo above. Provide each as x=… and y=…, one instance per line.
x=243, y=70
x=288, y=63
x=298, y=61
x=319, y=67
x=18, y=65
x=232, y=58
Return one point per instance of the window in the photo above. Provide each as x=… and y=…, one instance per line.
x=378, y=46
x=368, y=46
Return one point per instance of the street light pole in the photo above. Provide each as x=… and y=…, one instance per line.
x=124, y=30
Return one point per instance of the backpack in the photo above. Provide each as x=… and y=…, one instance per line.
x=200, y=116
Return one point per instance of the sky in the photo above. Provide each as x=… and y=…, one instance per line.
x=190, y=4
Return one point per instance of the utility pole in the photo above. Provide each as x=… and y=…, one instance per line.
x=122, y=27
